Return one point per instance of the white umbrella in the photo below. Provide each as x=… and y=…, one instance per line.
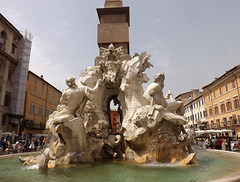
x=200, y=132
x=226, y=131
x=210, y=131
x=40, y=135
x=8, y=133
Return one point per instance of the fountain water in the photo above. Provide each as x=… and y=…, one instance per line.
x=211, y=166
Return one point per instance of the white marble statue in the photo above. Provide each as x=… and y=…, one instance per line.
x=154, y=97
x=72, y=102
x=110, y=64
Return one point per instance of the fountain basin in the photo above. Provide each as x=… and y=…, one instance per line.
x=211, y=166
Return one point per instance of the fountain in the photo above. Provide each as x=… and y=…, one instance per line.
x=152, y=129
x=151, y=145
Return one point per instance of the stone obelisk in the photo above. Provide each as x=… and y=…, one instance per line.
x=114, y=25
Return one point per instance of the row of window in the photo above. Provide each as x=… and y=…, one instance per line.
x=222, y=107
x=43, y=84
x=195, y=117
x=3, y=39
x=42, y=95
x=226, y=87
x=10, y=71
x=225, y=123
x=40, y=110
x=195, y=105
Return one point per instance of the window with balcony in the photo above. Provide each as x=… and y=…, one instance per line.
x=229, y=106
x=216, y=110
x=32, y=108
x=231, y=121
x=205, y=113
x=34, y=90
x=238, y=118
x=40, y=110
x=14, y=48
x=233, y=84
x=42, y=94
x=220, y=91
x=210, y=111
x=212, y=124
x=47, y=112
x=218, y=123
x=222, y=108
x=7, y=99
x=4, y=119
x=10, y=74
x=226, y=88
x=236, y=103
x=224, y=121
x=3, y=39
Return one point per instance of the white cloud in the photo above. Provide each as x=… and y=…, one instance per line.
x=160, y=58
x=15, y=17
x=42, y=64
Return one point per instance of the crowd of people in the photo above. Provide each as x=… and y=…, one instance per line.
x=218, y=142
x=9, y=145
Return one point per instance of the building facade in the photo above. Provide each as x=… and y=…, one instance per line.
x=41, y=100
x=194, y=113
x=222, y=101
x=115, y=122
x=9, y=43
x=193, y=103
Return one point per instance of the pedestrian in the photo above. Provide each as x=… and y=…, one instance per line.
x=5, y=145
x=228, y=140
x=215, y=143
x=32, y=145
x=219, y=144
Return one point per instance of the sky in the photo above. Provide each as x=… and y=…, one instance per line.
x=192, y=42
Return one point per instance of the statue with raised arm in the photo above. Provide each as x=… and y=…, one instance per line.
x=72, y=102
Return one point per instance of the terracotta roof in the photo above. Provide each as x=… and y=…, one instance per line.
x=221, y=77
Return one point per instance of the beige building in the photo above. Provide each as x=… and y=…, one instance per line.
x=9, y=43
x=194, y=113
x=41, y=100
x=194, y=108
x=221, y=97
